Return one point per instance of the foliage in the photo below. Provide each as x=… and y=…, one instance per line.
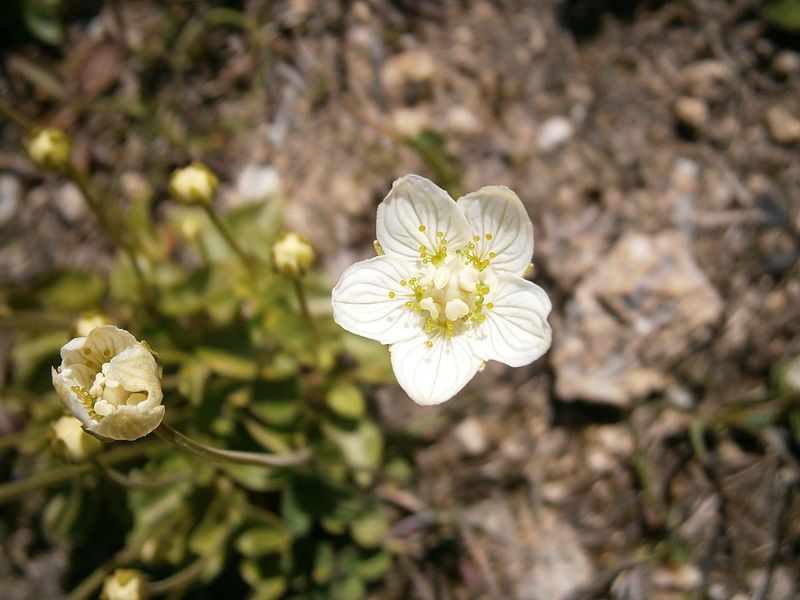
x=242, y=369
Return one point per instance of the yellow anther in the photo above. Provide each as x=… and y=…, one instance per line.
x=476, y=238
x=440, y=234
x=86, y=351
x=403, y=282
x=409, y=304
x=429, y=344
x=492, y=254
x=488, y=236
x=422, y=227
x=490, y=305
x=471, y=246
x=391, y=294
x=377, y=246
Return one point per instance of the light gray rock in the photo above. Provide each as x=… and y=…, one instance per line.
x=640, y=310
x=10, y=197
x=554, y=133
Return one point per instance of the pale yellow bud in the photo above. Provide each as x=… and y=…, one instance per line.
x=71, y=441
x=88, y=321
x=50, y=150
x=195, y=184
x=293, y=255
x=124, y=584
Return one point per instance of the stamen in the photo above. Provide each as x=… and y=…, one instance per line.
x=422, y=228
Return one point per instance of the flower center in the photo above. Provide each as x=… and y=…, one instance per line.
x=105, y=394
x=449, y=296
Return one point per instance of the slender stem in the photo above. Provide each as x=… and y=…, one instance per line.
x=220, y=455
x=303, y=301
x=10, y=114
x=126, y=555
x=226, y=233
x=10, y=491
x=116, y=233
x=133, y=482
x=183, y=577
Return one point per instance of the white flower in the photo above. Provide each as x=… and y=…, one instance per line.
x=71, y=440
x=448, y=294
x=111, y=383
x=292, y=254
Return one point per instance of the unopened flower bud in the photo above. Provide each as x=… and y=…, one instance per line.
x=71, y=441
x=88, y=321
x=50, y=150
x=195, y=184
x=124, y=584
x=293, y=255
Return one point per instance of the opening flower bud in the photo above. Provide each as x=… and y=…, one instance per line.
x=124, y=584
x=50, y=150
x=195, y=184
x=71, y=441
x=293, y=255
x=111, y=383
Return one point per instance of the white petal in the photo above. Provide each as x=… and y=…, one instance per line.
x=136, y=370
x=415, y=202
x=361, y=302
x=434, y=375
x=497, y=211
x=129, y=422
x=98, y=347
x=63, y=384
x=515, y=331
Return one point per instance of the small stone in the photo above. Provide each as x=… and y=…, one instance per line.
x=692, y=112
x=257, y=183
x=10, y=197
x=784, y=127
x=70, y=203
x=685, y=176
x=471, y=436
x=685, y=578
x=410, y=122
x=554, y=133
x=707, y=79
x=786, y=63
x=462, y=120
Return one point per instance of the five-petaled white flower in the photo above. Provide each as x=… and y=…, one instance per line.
x=111, y=383
x=448, y=294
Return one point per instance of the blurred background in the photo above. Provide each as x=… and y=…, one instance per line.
x=654, y=452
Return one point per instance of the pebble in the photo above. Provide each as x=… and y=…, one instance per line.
x=784, y=127
x=471, y=436
x=70, y=203
x=554, y=133
x=692, y=112
x=786, y=63
x=257, y=183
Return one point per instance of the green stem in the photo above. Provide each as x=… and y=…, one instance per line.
x=303, y=301
x=220, y=455
x=182, y=578
x=248, y=261
x=11, y=115
x=134, y=482
x=14, y=489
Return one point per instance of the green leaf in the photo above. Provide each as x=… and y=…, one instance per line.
x=270, y=589
x=784, y=14
x=323, y=563
x=361, y=445
x=369, y=529
x=374, y=566
x=351, y=588
x=264, y=539
x=346, y=400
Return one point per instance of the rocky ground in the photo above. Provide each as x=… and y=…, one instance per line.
x=656, y=147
